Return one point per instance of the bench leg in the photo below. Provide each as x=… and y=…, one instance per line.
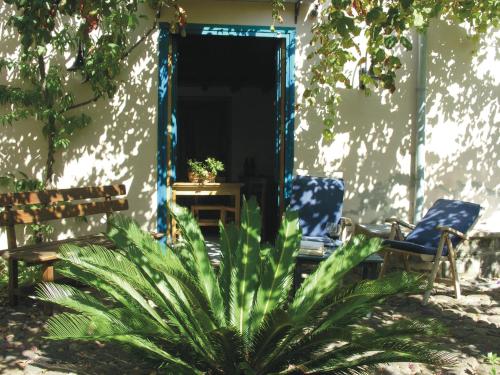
x=48, y=277
x=13, y=281
x=48, y=273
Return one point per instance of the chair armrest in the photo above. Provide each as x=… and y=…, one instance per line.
x=393, y=220
x=451, y=231
x=345, y=221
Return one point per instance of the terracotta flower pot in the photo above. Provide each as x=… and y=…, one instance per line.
x=193, y=177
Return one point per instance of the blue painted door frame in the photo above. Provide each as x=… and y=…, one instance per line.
x=167, y=121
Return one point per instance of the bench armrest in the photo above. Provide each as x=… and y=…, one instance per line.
x=451, y=231
x=393, y=220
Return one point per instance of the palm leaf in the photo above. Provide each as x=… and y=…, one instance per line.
x=277, y=270
x=347, y=306
x=183, y=297
x=168, y=302
x=81, y=327
x=127, y=283
x=195, y=243
x=247, y=259
x=71, y=298
x=228, y=242
x=329, y=274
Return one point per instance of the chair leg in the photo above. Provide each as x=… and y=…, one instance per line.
x=13, y=266
x=435, y=268
x=454, y=271
x=384, y=264
x=406, y=262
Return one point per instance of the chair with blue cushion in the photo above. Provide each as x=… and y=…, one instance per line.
x=437, y=235
x=319, y=201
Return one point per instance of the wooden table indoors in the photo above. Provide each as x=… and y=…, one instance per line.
x=193, y=189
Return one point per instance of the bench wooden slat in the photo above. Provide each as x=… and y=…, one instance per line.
x=47, y=251
x=61, y=195
x=37, y=215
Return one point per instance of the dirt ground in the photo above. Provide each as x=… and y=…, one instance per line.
x=473, y=323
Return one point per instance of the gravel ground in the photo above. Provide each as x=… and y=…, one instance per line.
x=473, y=322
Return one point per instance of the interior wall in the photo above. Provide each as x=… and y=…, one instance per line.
x=253, y=131
x=251, y=116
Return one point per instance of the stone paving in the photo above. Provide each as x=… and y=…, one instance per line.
x=473, y=323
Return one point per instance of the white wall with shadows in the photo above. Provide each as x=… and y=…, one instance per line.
x=372, y=148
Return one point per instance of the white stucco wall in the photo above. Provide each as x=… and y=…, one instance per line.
x=373, y=144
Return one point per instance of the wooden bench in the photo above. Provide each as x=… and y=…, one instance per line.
x=37, y=207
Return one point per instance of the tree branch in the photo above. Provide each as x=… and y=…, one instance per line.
x=125, y=54
x=84, y=103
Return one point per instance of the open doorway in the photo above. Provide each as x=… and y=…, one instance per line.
x=226, y=95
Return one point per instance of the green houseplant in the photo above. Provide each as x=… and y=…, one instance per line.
x=239, y=319
x=204, y=171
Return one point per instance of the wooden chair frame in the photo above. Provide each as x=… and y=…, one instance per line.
x=397, y=234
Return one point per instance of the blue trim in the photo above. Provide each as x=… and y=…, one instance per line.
x=173, y=133
x=161, y=224
x=289, y=115
x=277, y=134
x=288, y=33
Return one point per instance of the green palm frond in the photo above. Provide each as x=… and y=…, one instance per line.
x=101, y=263
x=71, y=298
x=246, y=266
x=277, y=270
x=329, y=274
x=170, y=303
x=228, y=242
x=195, y=243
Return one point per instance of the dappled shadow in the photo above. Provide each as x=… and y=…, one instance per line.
x=473, y=329
x=319, y=202
x=373, y=145
x=119, y=146
x=24, y=347
x=425, y=237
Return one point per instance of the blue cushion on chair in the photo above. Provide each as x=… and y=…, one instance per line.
x=412, y=247
x=319, y=202
x=424, y=239
x=458, y=215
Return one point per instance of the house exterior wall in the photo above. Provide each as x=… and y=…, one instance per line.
x=372, y=148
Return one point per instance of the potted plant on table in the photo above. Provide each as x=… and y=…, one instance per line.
x=204, y=171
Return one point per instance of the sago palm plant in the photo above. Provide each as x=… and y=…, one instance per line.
x=240, y=318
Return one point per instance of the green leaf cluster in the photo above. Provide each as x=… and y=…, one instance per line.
x=49, y=29
x=386, y=26
x=240, y=318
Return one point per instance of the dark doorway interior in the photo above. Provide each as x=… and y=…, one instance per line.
x=226, y=109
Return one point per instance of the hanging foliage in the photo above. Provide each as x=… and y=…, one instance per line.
x=374, y=34
x=278, y=7
x=99, y=33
